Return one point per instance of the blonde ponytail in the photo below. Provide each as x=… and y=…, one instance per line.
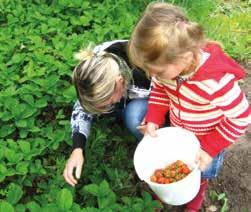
x=85, y=54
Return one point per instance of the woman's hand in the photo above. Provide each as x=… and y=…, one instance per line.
x=76, y=160
x=204, y=159
x=148, y=129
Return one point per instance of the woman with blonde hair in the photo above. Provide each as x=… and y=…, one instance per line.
x=193, y=80
x=105, y=82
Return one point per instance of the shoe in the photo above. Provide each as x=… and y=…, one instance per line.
x=195, y=204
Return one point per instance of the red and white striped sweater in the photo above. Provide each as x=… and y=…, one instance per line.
x=210, y=104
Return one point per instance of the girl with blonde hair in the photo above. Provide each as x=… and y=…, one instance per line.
x=105, y=82
x=193, y=80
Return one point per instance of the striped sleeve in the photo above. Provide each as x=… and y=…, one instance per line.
x=231, y=100
x=158, y=105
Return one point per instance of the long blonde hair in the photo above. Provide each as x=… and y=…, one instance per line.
x=94, y=78
x=162, y=34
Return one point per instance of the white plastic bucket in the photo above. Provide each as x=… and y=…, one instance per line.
x=171, y=144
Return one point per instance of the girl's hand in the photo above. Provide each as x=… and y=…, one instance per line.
x=148, y=129
x=76, y=160
x=204, y=159
x=142, y=126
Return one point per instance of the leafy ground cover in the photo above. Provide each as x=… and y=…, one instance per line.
x=38, y=39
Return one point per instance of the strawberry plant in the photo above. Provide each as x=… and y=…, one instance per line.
x=38, y=39
x=221, y=198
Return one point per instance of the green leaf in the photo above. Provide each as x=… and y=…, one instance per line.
x=10, y=172
x=16, y=59
x=92, y=189
x=90, y=209
x=14, y=193
x=28, y=112
x=6, y=116
x=70, y=93
x=3, y=168
x=51, y=207
x=27, y=182
x=8, y=92
x=76, y=208
x=22, y=167
x=6, y=207
x=1, y=154
x=41, y=103
x=64, y=122
x=37, y=40
x=149, y=204
x=224, y=207
x=12, y=156
x=21, y=123
x=64, y=199
x=28, y=98
x=221, y=196
x=12, y=144
x=82, y=20
x=6, y=130
x=50, y=82
x=213, y=195
x=3, y=171
x=17, y=109
x=2, y=177
x=58, y=135
x=20, y=208
x=23, y=133
x=147, y=196
x=106, y=196
x=24, y=146
x=34, y=129
x=33, y=206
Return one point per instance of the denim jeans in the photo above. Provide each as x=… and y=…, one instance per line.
x=214, y=168
x=133, y=114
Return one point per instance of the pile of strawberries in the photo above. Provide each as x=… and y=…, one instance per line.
x=171, y=173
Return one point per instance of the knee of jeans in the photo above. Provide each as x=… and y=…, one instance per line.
x=134, y=114
x=137, y=134
x=132, y=122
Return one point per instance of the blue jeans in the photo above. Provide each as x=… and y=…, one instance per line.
x=133, y=114
x=214, y=168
